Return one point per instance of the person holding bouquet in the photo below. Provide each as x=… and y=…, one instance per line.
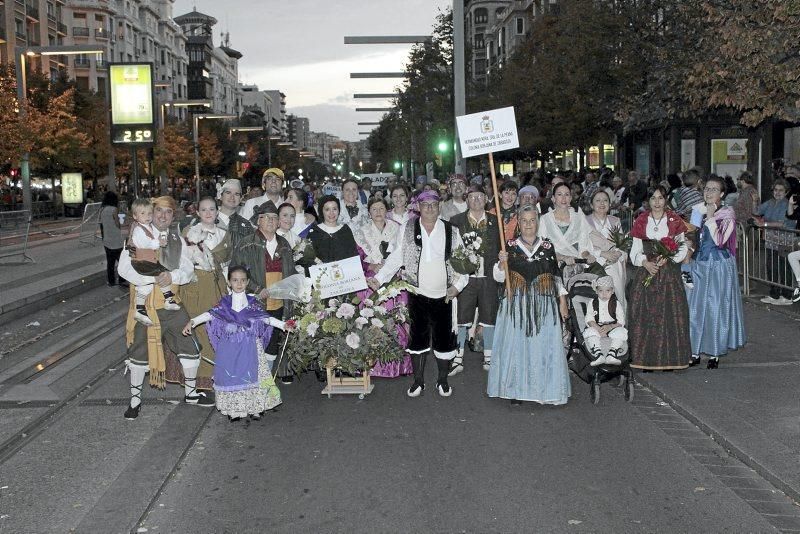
x=479, y=233
x=657, y=306
x=715, y=303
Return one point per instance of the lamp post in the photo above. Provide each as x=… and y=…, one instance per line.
x=21, y=53
x=195, y=137
x=163, y=116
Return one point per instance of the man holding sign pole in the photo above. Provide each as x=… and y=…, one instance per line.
x=424, y=247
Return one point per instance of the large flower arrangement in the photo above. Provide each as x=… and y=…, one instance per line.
x=350, y=331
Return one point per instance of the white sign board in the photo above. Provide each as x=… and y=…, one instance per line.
x=338, y=277
x=488, y=131
x=331, y=189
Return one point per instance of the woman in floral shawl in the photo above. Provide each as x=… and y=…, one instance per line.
x=239, y=330
x=715, y=303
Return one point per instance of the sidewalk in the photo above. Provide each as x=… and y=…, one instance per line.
x=750, y=405
x=64, y=267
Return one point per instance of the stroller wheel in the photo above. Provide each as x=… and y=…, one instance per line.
x=594, y=392
x=629, y=389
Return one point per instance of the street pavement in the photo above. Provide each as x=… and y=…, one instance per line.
x=697, y=450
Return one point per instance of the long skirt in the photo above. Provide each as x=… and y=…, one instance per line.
x=402, y=367
x=199, y=297
x=658, y=320
x=528, y=368
x=261, y=397
x=715, y=307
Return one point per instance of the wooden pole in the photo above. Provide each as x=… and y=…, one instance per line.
x=499, y=215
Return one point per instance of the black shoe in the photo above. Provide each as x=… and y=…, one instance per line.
x=287, y=379
x=132, y=413
x=255, y=417
x=201, y=398
x=713, y=363
x=516, y=402
x=234, y=419
x=694, y=361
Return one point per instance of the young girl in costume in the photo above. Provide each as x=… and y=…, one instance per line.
x=239, y=330
x=605, y=317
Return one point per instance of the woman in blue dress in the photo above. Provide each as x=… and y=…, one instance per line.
x=528, y=362
x=716, y=320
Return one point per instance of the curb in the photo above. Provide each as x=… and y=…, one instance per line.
x=715, y=435
x=37, y=301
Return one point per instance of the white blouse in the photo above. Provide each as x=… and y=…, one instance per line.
x=369, y=238
x=657, y=229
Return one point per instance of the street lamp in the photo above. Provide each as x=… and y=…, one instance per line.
x=195, y=127
x=21, y=53
x=180, y=103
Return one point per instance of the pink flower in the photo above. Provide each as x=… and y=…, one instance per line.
x=346, y=311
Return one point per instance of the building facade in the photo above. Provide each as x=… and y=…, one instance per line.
x=33, y=23
x=278, y=113
x=479, y=17
x=298, y=130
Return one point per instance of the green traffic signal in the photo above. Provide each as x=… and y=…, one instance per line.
x=396, y=164
x=442, y=146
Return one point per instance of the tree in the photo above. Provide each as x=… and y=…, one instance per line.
x=750, y=60
x=210, y=153
x=174, y=154
x=423, y=109
x=56, y=137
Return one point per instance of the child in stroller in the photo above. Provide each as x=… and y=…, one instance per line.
x=589, y=342
x=605, y=318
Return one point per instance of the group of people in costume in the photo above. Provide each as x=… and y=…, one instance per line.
x=215, y=327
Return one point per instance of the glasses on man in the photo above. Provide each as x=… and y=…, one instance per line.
x=428, y=205
x=712, y=190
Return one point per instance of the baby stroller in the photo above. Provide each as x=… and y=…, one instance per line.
x=581, y=294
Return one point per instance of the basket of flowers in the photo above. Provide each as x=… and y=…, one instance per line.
x=347, y=335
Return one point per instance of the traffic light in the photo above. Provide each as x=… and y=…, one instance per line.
x=397, y=165
x=442, y=146
x=14, y=172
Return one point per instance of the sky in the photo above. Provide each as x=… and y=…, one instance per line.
x=297, y=46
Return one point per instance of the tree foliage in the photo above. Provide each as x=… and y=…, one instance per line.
x=423, y=107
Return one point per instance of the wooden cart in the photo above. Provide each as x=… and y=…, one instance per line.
x=346, y=385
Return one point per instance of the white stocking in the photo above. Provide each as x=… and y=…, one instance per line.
x=137, y=380
x=190, y=365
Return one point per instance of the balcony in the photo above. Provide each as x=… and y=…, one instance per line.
x=101, y=33
x=101, y=64
x=80, y=32
x=32, y=12
x=21, y=36
x=82, y=63
x=51, y=17
x=61, y=28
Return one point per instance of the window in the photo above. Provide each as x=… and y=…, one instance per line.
x=79, y=16
x=101, y=86
x=481, y=15
x=520, y=26
x=479, y=41
x=19, y=27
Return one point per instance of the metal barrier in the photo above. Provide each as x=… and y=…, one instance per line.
x=15, y=224
x=762, y=255
x=90, y=225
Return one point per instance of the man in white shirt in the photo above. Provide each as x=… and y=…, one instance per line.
x=144, y=356
x=424, y=247
x=457, y=203
x=272, y=182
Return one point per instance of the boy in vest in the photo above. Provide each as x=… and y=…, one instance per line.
x=605, y=318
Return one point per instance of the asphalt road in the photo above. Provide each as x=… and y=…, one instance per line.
x=386, y=463
x=463, y=464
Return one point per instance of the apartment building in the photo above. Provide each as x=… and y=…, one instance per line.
x=298, y=130
x=33, y=23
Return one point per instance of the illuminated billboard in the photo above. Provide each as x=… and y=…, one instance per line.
x=132, y=106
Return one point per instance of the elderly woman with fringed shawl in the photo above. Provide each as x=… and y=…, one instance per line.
x=716, y=318
x=529, y=362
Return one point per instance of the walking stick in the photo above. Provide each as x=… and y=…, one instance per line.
x=499, y=222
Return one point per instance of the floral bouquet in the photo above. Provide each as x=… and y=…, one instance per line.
x=620, y=240
x=466, y=259
x=666, y=248
x=304, y=254
x=349, y=331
